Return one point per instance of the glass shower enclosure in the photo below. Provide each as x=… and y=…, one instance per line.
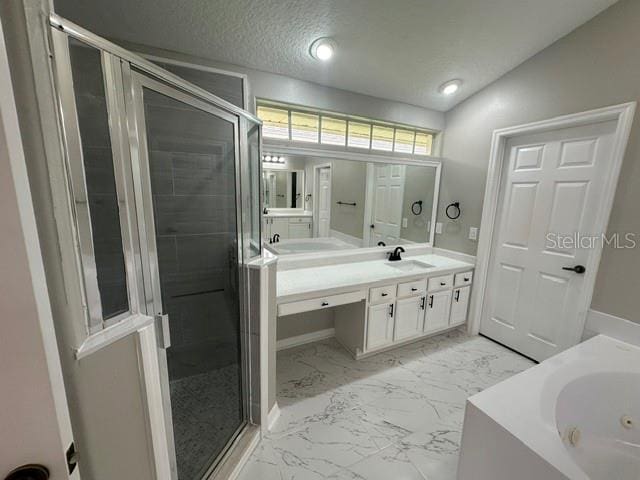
x=165, y=184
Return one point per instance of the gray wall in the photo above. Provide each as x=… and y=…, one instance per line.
x=594, y=66
x=349, y=185
x=419, y=185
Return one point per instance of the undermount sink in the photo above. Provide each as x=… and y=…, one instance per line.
x=408, y=265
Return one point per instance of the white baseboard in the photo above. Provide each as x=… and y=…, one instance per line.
x=612, y=326
x=274, y=414
x=304, y=339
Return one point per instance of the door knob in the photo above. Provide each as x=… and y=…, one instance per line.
x=577, y=269
x=29, y=472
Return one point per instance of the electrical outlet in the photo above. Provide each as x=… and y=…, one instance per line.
x=404, y=223
x=438, y=227
x=473, y=233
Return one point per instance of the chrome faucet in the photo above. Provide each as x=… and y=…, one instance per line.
x=395, y=255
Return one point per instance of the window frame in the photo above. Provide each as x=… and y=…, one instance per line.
x=372, y=123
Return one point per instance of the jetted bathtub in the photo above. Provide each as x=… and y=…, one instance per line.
x=309, y=245
x=574, y=416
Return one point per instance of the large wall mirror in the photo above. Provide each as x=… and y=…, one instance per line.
x=320, y=202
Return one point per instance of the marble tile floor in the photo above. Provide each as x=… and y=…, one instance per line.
x=393, y=416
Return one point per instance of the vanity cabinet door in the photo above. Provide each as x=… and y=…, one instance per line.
x=459, y=305
x=281, y=227
x=437, y=314
x=299, y=230
x=380, y=325
x=409, y=317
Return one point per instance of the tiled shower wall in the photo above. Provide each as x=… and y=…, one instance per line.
x=194, y=197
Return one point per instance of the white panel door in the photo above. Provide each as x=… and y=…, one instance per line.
x=550, y=192
x=437, y=313
x=324, y=201
x=409, y=317
x=380, y=325
x=459, y=305
x=386, y=214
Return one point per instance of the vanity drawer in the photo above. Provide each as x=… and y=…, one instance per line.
x=300, y=220
x=440, y=283
x=321, y=302
x=412, y=288
x=464, y=278
x=382, y=294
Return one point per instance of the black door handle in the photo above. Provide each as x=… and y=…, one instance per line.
x=577, y=269
x=29, y=472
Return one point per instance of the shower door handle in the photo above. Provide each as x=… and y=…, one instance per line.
x=162, y=331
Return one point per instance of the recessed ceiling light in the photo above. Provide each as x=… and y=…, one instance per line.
x=322, y=49
x=450, y=87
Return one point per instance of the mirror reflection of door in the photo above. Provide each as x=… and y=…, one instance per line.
x=323, y=214
x=388, y=193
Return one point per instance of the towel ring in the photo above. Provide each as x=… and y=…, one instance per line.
x=456, y=206
x=413, y=207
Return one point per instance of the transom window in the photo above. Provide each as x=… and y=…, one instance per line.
x=283, y=122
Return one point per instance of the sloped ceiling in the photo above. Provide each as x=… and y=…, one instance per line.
x=400, y=50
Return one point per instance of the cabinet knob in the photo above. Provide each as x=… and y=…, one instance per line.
x=442, y=284
x=325, y=304
x=414, y=289
x=384, y=294
x=29, y=472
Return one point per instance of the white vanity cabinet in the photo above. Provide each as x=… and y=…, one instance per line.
x=400, y=313
x=459, y=305
x=287, y=226
x=409, y=317
x=380, y=325
x=300, y=227
x=437, y=314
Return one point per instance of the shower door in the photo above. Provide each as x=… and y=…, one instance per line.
x=187, y=172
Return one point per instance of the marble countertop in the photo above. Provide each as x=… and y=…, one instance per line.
x=288, y=214
x=300, y=283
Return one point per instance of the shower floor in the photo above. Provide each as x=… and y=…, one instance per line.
x=199, y=429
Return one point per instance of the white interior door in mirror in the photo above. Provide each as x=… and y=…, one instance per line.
x=388, y=192
x=323, y=213
x=551, y=191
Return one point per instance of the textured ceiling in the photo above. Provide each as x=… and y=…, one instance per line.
x=396, y=49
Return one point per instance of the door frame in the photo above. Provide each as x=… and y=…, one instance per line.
x=316, y=195
x=623, y=115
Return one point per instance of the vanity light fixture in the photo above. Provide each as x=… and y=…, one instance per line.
x=322, y=49
x=272, y=159
x=450, y=87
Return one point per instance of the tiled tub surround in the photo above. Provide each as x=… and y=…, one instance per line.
x=395, y=415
